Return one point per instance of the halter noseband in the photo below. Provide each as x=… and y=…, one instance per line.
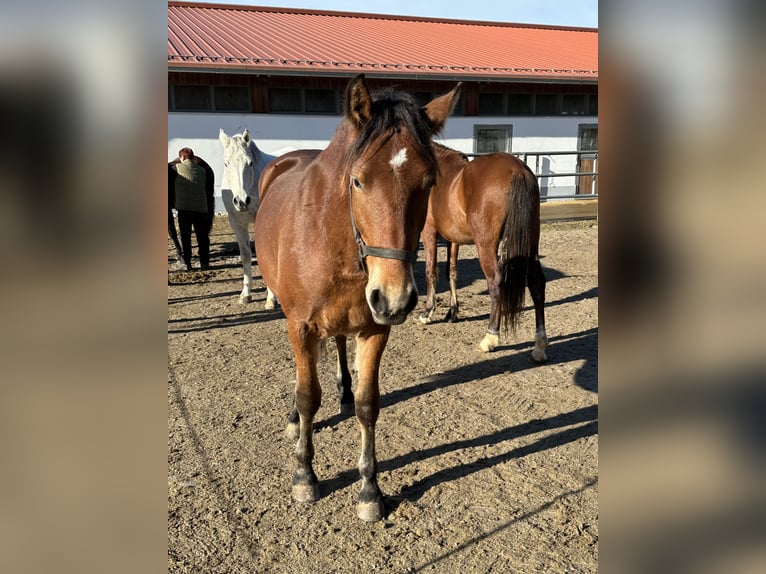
x=365, y=250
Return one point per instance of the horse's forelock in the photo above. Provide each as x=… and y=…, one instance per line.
x=393, y=111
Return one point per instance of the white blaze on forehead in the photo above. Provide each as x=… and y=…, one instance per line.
x=399, y=158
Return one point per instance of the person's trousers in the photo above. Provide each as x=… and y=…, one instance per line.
x=200, y=222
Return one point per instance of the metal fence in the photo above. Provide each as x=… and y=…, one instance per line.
x=537, y=155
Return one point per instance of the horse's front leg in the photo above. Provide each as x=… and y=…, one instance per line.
x=428, y=237
x=308, y=396
x=343, y=377
x=369, y=350
x=239, y=224
x=452, y=271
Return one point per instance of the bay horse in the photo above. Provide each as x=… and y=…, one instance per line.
x=337, y=234
x=243, y=164
x=492, y=201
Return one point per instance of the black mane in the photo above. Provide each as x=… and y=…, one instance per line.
x=394, y=111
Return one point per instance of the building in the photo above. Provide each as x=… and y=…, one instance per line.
x=281, y=73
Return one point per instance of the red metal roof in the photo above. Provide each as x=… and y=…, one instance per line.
x=204, y=37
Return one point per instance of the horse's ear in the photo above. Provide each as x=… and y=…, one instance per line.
x=358, y=101
x=223, y=138
x=246, y=137
x=440, y=108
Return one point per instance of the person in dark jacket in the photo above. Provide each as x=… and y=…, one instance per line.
x=193, y=206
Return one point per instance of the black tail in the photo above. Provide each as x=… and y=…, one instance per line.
x=519, y=244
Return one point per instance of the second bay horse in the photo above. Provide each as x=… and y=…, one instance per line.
x=337, y=233
x=494, y=203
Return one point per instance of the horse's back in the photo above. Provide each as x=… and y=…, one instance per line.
x=290, y=163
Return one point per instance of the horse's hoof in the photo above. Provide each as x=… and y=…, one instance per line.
x=306, y=492
x=292, y=431
x=268, y=305
x=488, y=343
x=538, y=356
x=244, y=299
x=424, y=319
x=347, y=409
x=370, y=511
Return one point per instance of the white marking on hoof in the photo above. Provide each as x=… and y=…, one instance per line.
x=306, y=492
x=539, y=355
x=269, y=304
x=424, y=320
x=292, y=431
x=541, y=342
x=488, y=343
x=370, y=511
x=244, y=299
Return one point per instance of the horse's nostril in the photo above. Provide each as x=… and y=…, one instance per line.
x=247, y=200
x=413, y=300
x=376, y=300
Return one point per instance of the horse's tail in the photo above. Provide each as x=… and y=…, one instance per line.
x=518, y=244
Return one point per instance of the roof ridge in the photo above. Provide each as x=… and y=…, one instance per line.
x=374, y=16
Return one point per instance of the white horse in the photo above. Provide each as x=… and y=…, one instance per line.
x=243, y=164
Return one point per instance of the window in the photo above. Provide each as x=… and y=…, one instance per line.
x=546, y=104
x=199, y=98
x=491, y=104
x=573, y=104
x=488, y=139
x=284, y=100
x=321, y=102
x=232, y=98
x=422, y=98
x=587, y=139
x=520, y=104
x=593, y=104
x=192, y=98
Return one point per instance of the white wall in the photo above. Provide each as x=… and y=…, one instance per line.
x=278, y=134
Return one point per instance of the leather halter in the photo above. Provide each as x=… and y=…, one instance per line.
x=367, y=251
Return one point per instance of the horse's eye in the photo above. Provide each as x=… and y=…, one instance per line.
x=356, y=183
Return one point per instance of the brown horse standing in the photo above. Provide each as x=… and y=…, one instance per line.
x=493, y=202
x=320, y=214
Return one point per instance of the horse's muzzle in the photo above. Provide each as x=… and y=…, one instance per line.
x=387, y=312
x=240, y=205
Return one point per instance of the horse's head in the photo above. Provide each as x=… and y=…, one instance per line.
x=390, y=169
x=239, y=165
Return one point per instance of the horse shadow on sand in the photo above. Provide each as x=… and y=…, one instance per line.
x=570, y=426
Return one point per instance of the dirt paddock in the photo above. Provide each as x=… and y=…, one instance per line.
x=488, y=462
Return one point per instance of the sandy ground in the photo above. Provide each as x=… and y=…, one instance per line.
x=489, y=463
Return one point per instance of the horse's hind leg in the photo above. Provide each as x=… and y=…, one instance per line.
x=343, y=377
x=536, y=284
x=369, y=350
x=308, y=395
x=494, y=275
x=452, y=272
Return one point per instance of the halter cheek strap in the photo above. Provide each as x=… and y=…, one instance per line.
x=381, y=252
